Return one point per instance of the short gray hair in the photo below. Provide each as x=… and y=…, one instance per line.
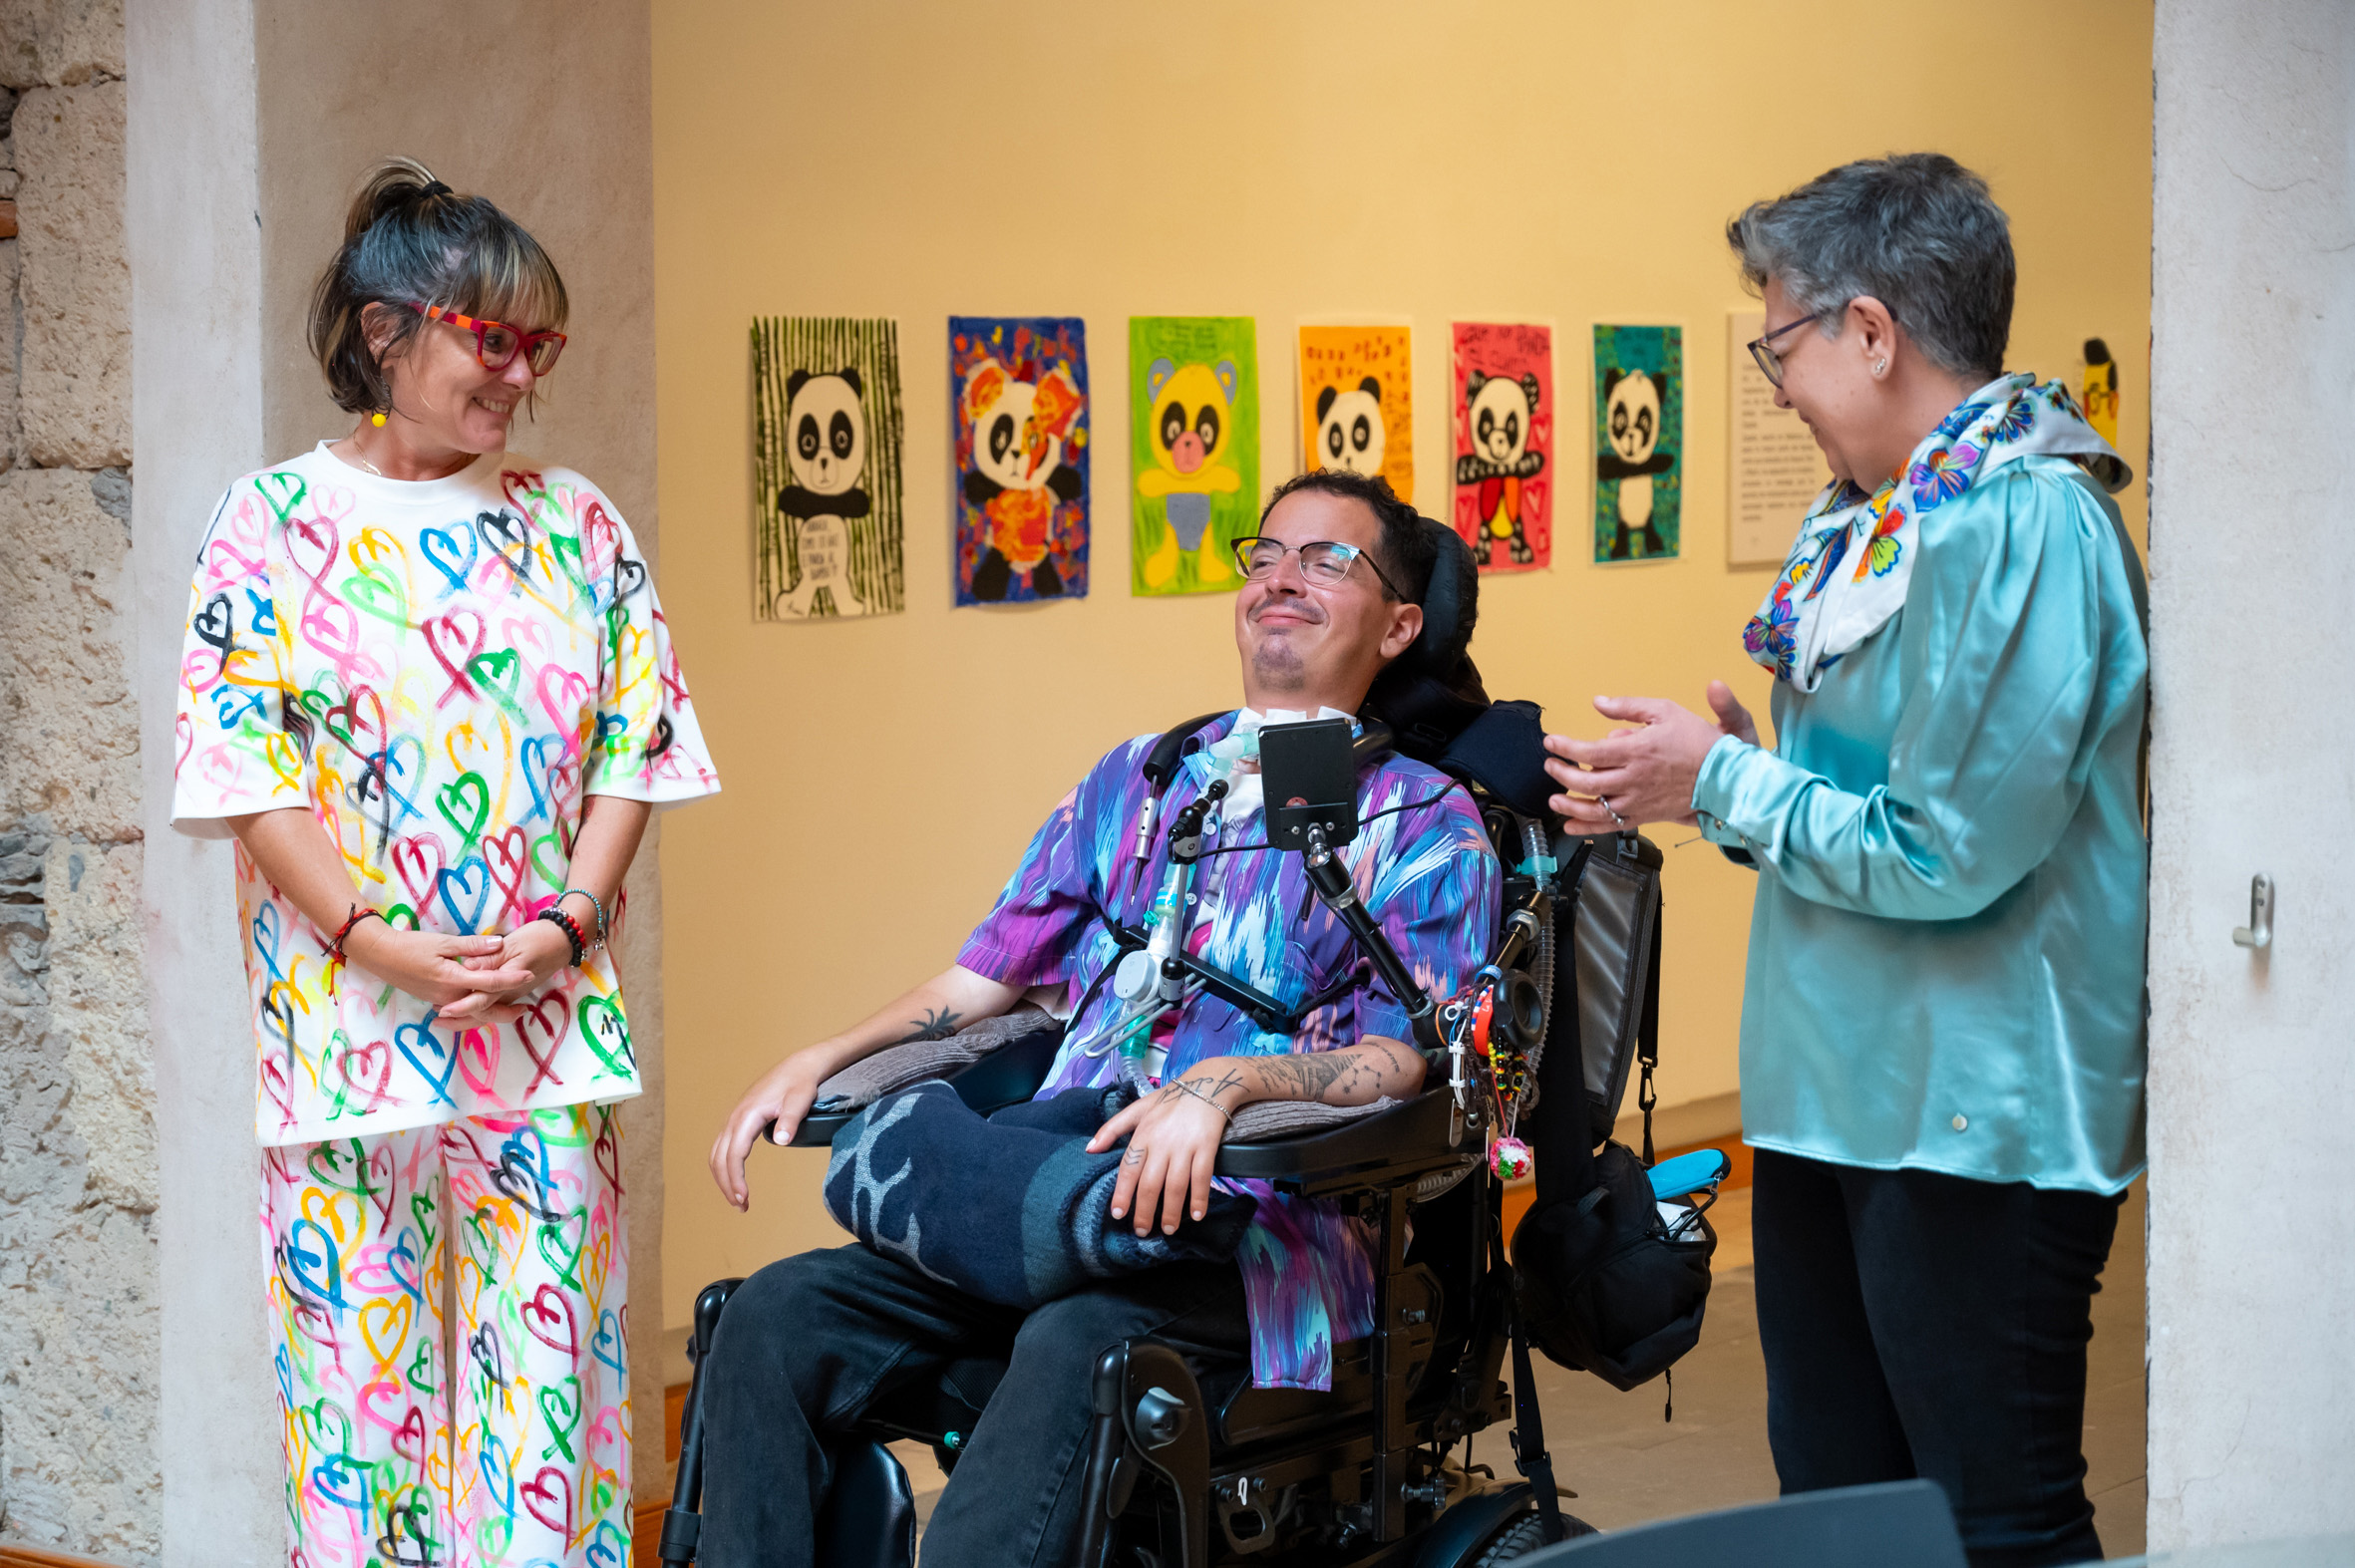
x=1916, y=231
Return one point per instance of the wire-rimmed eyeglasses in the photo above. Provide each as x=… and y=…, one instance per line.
x=1763, y=350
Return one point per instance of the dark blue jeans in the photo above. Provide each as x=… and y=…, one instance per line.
x=809, y=1343
x=1917, y=1324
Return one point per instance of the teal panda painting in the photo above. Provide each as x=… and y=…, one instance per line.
x=1638, y=442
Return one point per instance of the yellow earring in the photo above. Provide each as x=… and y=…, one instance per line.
x=377, y=419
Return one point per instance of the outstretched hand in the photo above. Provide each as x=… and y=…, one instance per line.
x=1645, y=769
x=772, y=1108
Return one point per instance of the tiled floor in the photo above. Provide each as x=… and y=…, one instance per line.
x=1627, y=1465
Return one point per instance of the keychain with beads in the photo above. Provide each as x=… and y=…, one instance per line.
x=1509, y=1158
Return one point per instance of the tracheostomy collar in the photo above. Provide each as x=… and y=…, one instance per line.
x=1235, y=756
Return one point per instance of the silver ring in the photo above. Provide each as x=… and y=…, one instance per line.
x=1615, y=816
x=1133, y=1158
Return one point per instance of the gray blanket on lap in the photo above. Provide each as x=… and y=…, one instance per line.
x=1011, y=1208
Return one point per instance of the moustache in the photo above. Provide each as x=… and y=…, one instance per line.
x=1308, y=609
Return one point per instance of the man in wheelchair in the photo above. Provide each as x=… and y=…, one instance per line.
x=812, y=1346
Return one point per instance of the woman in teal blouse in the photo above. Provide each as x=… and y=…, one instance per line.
x=1942, y=1043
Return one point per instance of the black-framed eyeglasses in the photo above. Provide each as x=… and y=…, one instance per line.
x=1323, y=562
x=1763, y=349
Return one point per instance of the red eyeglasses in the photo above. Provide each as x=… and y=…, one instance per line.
x=496, y=343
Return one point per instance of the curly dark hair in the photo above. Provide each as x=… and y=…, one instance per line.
x=1430, y=692
x=1406, y=549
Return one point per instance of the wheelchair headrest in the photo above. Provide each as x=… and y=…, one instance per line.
x=1450, y=606
x=1431, y=690
x=1502, y=750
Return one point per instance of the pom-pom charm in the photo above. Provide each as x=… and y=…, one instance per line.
x=1511, y=1159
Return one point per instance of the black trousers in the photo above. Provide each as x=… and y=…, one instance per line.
x=809, y=1343
x=1917, y=1324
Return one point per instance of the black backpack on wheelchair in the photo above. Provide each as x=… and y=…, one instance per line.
x=1185, y=1471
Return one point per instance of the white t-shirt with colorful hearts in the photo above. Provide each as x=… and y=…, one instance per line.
x=440, y=672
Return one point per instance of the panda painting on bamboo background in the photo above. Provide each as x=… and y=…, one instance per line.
x=1017, y=460
x=827, y=430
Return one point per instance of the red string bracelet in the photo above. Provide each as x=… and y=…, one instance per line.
x=345, y=930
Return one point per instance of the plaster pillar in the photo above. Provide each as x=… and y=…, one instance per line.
x=250, y=123
x=2252, y=770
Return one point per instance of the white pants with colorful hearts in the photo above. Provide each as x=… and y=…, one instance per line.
x=522, y=1460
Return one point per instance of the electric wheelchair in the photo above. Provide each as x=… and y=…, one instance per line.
x=1184, y=1471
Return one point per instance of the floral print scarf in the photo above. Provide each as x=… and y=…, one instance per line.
x=1817, y=612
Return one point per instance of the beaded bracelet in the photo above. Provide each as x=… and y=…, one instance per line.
x=594, y=904
x=345, y=930
x=571, y=930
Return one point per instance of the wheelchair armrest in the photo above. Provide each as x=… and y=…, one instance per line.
x=1384, y=1150
x=1007, y=1076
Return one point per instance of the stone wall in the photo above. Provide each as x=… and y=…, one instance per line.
x=79, y=1314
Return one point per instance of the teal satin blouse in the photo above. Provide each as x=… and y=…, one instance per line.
x=1946, y=951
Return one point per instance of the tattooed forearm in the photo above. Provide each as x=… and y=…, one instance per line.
x=938, y=1024
x=1301, y=1077
x=1353, y=1075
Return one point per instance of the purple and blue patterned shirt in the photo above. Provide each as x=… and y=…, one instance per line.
x=1431, y=881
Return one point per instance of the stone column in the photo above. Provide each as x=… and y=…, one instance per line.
x=79, y=1305
x=195, y=222
x=2252, y=770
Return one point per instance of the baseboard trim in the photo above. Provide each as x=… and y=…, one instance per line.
x=1693, y=1123
x=646, y=1534
x=13, y=1556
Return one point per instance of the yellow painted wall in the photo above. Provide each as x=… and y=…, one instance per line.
x=1571, y=162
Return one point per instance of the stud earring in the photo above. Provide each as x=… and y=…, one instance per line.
x=1880, y=368
x=377, y=419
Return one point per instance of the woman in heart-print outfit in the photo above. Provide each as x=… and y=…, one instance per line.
x=428, y=689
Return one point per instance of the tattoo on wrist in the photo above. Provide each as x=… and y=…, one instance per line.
x=1228, y=1081
x=938, y=1024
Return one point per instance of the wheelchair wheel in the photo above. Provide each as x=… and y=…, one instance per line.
x=1523, y=1534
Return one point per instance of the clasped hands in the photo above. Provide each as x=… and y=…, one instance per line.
x=1645, y=769
x=472, y=981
